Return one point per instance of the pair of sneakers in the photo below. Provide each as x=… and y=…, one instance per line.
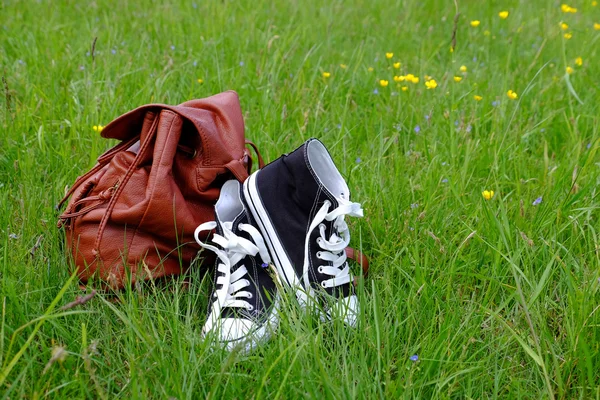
x=289, y=215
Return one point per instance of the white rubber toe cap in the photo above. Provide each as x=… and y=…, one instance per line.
x=232, y=331
x=346, y=309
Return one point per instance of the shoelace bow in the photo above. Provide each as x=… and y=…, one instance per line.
x=233, y=249
x=335, y=245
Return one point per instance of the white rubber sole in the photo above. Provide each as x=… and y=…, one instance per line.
x=253, y=339
x=284, y=267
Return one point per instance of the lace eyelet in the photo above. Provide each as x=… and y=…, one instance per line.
x=251, y=307
x=250, y=295
x=320, y=269
x=323, y=284
x=319, y=255
x=319, y=241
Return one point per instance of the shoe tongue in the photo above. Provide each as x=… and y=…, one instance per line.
x=345, y=289
x=242, y=218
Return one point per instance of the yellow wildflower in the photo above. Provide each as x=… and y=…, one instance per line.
x=564, y=26
x=383, y=83
x=579, y=61
x=463, y=68
x=457, y=78
x=343, y=66
x=98, y=128
x=503, y=14
x=568, y=9
x=512, y=95
x=370, y=69
x=597, y=26
x=397, y=65
x=568, y=35
x=478, y=98
x=326, y=74
x=404, y=88
x=431, y=84
x=200, y=81
x=400, y=78
x=389, y=55
x=487, y=194
x=594, y=3
x=475, y=23
x=411, y=78
x=569, y=70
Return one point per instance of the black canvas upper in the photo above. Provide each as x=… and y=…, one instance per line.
x=292, y=195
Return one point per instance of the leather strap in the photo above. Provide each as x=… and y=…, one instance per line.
x=102, y=161
x=261, y=162
x=139, y=156
x=361, y=259
x=238, y=169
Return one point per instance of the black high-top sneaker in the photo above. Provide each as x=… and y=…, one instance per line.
x=299, y=202
x=243, y=304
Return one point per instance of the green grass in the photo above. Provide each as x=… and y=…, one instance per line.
x=498, y=298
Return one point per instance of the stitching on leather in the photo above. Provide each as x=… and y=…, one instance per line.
x=130, y=171
x=170, y=130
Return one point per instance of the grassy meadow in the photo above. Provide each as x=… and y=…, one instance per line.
x=476, y=160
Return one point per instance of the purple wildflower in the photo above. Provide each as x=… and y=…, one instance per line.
x=375, y=91
x=495, y=103
x=414, y=358
x=241, y=63
x=358, y=160
x=537, y=201
x=417, y=129
x=445, y=180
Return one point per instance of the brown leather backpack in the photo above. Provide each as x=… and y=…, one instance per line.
x=134, y=214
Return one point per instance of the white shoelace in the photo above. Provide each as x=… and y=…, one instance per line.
x=234, y=249
x=335, y=245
